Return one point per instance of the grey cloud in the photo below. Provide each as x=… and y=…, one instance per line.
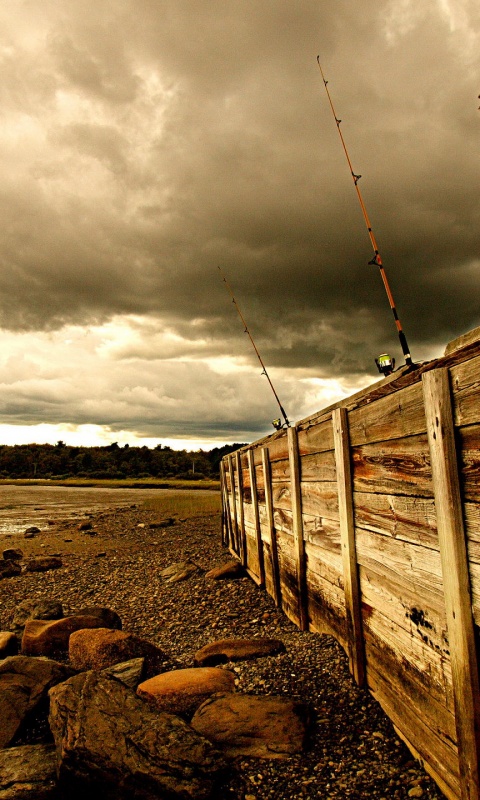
x=232, y=158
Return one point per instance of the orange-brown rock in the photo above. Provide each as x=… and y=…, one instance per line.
x=232, y=569
x=253, y=725
x=102, y=647
x=49, y=637
x=236, y=650
x=181, y=691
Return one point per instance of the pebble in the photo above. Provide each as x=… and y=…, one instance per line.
x=120, y=568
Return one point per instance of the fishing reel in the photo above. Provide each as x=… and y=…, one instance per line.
x=385, y=364
x=279, y=425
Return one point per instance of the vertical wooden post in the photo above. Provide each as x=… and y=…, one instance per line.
x=224, y=505
x=295, y=488
x=241, y=517
x=353, y=605
x=229, y=531
x=234, y=504
x=456, y=581
x=277, y=596
x=256, y=516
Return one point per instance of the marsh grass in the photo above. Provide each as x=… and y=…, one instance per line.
x=185, y=505
x=107, y=483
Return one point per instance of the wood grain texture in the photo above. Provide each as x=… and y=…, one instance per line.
x=356, y=648
x=392, y=417
x=397, y=466
x=451, y=535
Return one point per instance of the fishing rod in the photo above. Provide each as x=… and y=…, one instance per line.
x=376, y=260
x=277, y=424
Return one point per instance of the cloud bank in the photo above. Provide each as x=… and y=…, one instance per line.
x=144, y=144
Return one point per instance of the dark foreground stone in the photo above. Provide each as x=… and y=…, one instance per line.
x=24, y=685
x=28, y=773
x=110, y=743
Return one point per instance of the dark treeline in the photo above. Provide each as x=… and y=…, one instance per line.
x=111, y=461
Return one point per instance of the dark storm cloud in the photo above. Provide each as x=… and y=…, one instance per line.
x=146, y=143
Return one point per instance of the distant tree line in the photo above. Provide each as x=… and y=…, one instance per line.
x=112, y=461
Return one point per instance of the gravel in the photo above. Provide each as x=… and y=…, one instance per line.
x=353, y=751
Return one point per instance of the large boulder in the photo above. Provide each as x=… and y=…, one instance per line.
x=181, y=691
x=28, y=772
x=24, y=685
x=50, y=637
x=253, y=725
x=98, y=648
x=112, y=744
x=8, y=644
x=232, y=569
x=35, y=609
x=236, y=650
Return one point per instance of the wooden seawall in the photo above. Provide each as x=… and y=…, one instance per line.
x=363, y=521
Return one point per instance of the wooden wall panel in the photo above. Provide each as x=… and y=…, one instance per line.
x=397, y=528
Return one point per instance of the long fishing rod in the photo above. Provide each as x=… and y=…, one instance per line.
x=376, y=260
x=264, y=369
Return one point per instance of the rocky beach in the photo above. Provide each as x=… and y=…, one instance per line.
x=115, y=558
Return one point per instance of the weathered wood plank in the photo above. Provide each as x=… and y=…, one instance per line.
x=469, y=445
x=415, y=616
x=324, y=563
x=399, y=466
x=411, y=519
x=282, y=495
x=280, y=470
x=277, y=596
x=288, y=576
x=318, y=467
x=393, y=417
x=347, y=536
x=241, y=528
x=314, y=438
x=320, y=499
x=411, y=720
x=465, y=383
x=294, y=459
x=441, y=437
x=256, y=518
x=419, y=566
x=327, y=608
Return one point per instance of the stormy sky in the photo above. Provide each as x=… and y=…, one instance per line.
x=144, y=143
